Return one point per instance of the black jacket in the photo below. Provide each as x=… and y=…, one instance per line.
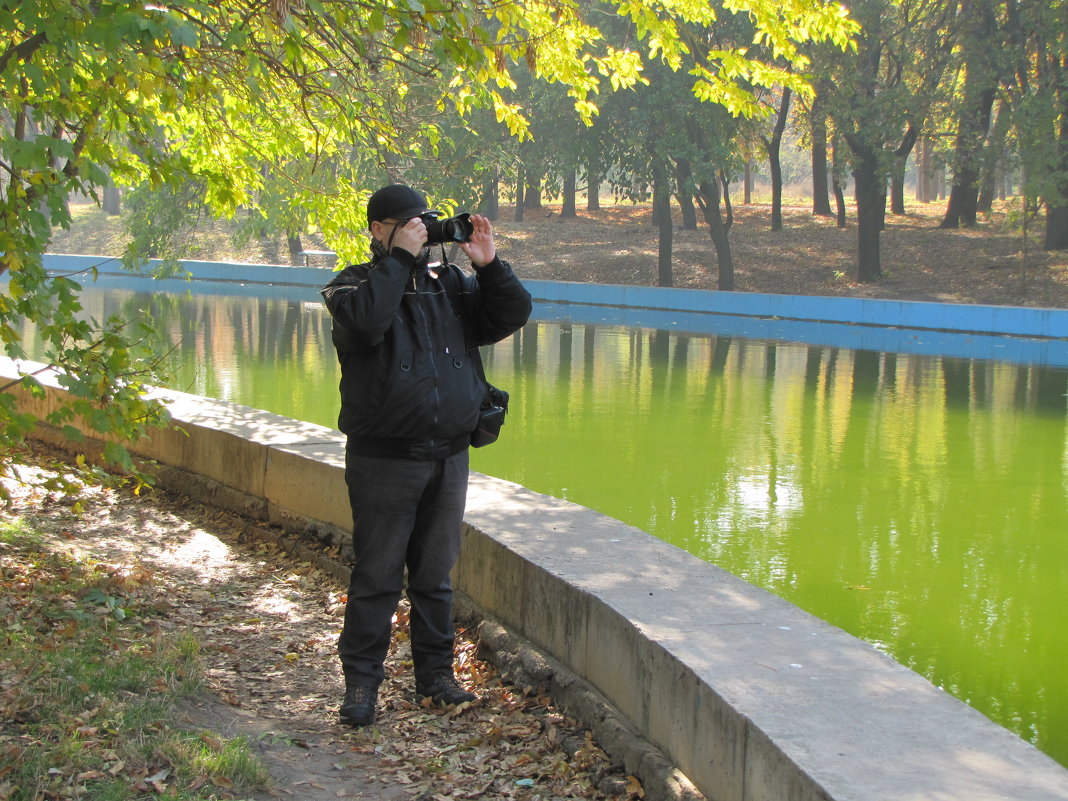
x=409, y=388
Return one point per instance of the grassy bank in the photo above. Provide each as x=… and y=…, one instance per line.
x=90, y=676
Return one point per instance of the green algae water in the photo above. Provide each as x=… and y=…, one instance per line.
x=918, y=502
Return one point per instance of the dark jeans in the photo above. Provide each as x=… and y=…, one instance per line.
x=406, y=514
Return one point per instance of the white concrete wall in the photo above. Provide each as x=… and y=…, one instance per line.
x=750, y=697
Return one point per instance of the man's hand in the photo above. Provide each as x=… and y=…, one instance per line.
x=480, y=248
x=411, y=236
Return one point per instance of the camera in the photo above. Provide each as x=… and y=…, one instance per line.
x=451, y=229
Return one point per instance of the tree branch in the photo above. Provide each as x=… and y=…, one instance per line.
x=23, y=50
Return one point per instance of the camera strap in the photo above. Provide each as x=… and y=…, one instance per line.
x=452, y=284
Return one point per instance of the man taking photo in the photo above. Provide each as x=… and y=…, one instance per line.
x=406, y=332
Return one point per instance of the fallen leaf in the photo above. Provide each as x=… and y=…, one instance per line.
x=634, y=787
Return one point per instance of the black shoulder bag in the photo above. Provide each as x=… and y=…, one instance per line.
x=495, y=402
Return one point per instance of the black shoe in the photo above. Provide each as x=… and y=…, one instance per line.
x=444, y=690
x=358, y=708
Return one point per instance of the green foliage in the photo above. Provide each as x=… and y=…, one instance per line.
x=159, y=214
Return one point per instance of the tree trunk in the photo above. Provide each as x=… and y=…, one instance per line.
x=962, y=210
x=568, y=210
x=839, y=203
x=923, y=171
x=963, y=207
x=836, y=185
x=978, y=27
x=774, y=145
x=871, y=200
x=775, y=167
x=726, y=187
x=520, y=185
x=897, y=191
x=708, y=199
x=987, y=189
x=490, y=206
x=1056, y=237
x=112, y=198
x=821, y=205
x=532, y=197
x=662, y=216
x=593, y=186
x=897, y=179
x=295, y=247
x=992, y=158
x=684, y=179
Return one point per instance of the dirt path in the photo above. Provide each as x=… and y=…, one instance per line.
x=268, y=625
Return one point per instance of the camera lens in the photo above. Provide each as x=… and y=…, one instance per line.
x=451, y=229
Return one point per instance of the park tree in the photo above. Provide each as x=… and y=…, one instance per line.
x=931, y=44
x=997, y=155
x=682, y=132
x=980, y=46
x=814, y=117
x=1038, y=33
x=772, y=141
x=877, y=104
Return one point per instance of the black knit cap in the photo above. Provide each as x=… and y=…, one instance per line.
x=396, y=201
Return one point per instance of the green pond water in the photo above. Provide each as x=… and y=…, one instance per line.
x=918, y=502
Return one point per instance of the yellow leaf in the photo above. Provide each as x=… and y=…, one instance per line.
x=634, y=787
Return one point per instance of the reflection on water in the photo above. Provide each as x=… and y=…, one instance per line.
x=918, y=502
